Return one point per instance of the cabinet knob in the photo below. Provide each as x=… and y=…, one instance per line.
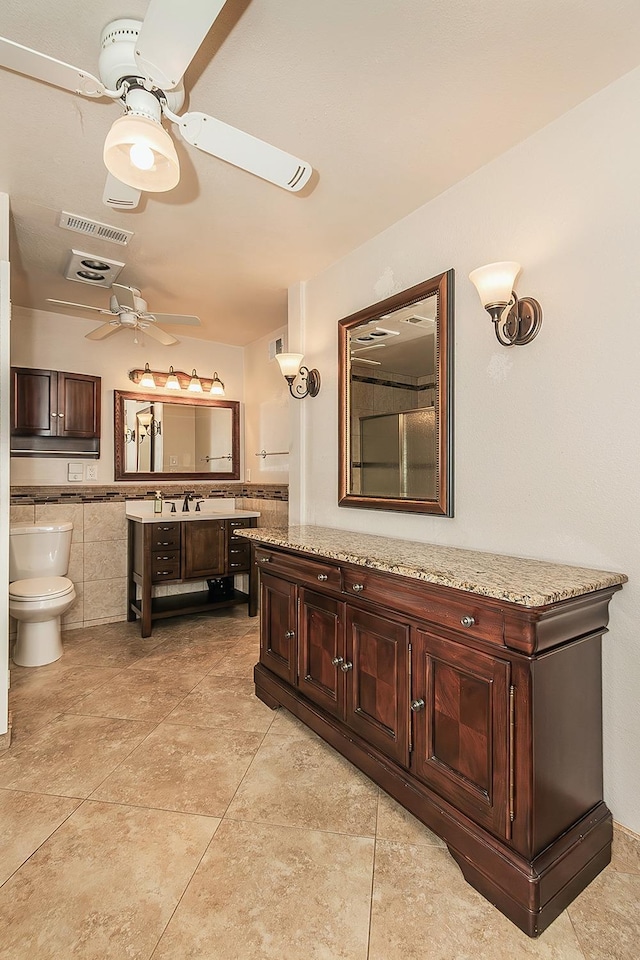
x=468, y=621
x=53, y=415
x=322, y=576
x=358, y=587
x=290, y=634
x=417, y=705
x=346, y=667
x=337, y=661
x=61, y=415
x=265, y=559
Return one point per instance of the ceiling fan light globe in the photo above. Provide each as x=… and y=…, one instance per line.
x=141, y=156
x=145, y=138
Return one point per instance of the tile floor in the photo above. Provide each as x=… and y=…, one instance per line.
x=152, y=807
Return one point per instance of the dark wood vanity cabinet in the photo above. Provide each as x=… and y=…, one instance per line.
x=174, y=551
x=482, y=717
x=51, y=405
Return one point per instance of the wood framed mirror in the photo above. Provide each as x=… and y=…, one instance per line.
x=160, y=437
x=395, y=395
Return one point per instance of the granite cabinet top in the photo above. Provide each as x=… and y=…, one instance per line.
x=532, y=583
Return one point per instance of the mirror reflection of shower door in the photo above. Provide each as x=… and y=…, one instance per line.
x=397, y=454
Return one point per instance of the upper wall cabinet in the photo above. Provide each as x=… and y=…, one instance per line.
x=54, y=413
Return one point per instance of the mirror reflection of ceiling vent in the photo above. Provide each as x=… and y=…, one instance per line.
x=414, y=318
x=92, y=269
x=93, y=228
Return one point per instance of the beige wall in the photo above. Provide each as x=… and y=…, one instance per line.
x=266, y=413
x=547, y=445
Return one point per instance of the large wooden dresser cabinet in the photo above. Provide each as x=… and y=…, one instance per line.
x=481, y=715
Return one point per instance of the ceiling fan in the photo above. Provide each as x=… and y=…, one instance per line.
x=128, y=311
x=142, y=65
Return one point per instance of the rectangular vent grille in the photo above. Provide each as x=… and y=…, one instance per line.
x=93, y=228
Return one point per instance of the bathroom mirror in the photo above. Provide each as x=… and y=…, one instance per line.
x=160, y=437
x=395, y=394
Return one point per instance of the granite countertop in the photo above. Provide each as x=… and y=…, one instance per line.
x=532, y=583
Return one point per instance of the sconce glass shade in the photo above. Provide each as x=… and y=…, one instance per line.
x=146, y=380
x=194, y=384
x=217, y=386
x=140, y=152
x=289, y=363
x=495, y=281
x=172, y=381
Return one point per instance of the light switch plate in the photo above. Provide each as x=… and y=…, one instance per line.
x=75, y=472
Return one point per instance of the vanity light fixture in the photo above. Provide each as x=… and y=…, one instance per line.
x=217, y=386
x=146, y=380
x=172, y=381
x=290, y=365
x=195, y=386
x=517, y=320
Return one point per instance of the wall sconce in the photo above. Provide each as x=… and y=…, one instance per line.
x=129, y=435
x=148, y=423
x=290, y=365
x=517, y=321
x=177, y=380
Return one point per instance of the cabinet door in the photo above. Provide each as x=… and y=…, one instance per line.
x=34, y=403
x=278, y=644
x=377, y=689
x=78, y=405
x=203, y=549
x=461, y=735
x=320, y=646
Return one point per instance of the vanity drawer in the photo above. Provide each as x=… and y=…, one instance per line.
x=165, y=535
x=239, y=554
x=467, y=613
x=165, y=565
x=306, y=571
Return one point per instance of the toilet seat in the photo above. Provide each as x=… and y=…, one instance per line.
x=40, y=588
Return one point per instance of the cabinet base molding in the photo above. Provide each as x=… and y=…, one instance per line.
x=531, y=893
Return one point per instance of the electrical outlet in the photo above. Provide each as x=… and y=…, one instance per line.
x=91, y=471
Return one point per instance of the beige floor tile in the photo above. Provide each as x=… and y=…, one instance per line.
x=271, y=893
x=104, y=886
x=107, y=645
x=240, y=661
x=189, y=769
x=422, y=906
x=286, y=725
x=396, y=823
x=606, y=917
x=137, y=695
x=226, y=702
x=193, y=655
x=305, y=783
x=71, y=756
x=626, y=850
x=26, y=820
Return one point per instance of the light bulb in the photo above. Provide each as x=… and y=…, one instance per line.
x=141, y=156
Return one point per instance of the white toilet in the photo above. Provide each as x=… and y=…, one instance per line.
x=39, y=591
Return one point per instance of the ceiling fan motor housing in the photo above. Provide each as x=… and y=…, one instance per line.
x=117, y=61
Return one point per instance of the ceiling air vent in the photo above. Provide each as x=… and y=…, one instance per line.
x=93, y=228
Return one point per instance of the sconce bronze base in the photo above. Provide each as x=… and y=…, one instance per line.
x=520, y=325
x=309, y=387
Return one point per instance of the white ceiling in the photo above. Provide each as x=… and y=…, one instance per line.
x=391, y=102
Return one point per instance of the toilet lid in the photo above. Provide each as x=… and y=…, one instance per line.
x=40, y=588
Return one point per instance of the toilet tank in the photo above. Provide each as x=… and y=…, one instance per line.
x=40, y=550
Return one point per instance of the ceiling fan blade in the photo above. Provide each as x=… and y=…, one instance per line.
x=120, y=195
x=177, y=318
x=103, y=331
x=169, y=36
x=77, y=306
x=33, y=64
x=244, y=151
x=124, y=296
x=161, y=335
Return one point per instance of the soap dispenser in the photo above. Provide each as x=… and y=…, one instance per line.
x=157, y=503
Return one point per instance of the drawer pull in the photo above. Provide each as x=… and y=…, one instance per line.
x=322, y=576
x=468, y=621
x=358, y=587
x=337, y=661
x=265, y=559
x=163, y=558
x=346, y=667
x=165, y=543
x=163, y=573
x=417, y=705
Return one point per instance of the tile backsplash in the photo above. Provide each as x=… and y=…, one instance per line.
x=98, y=563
